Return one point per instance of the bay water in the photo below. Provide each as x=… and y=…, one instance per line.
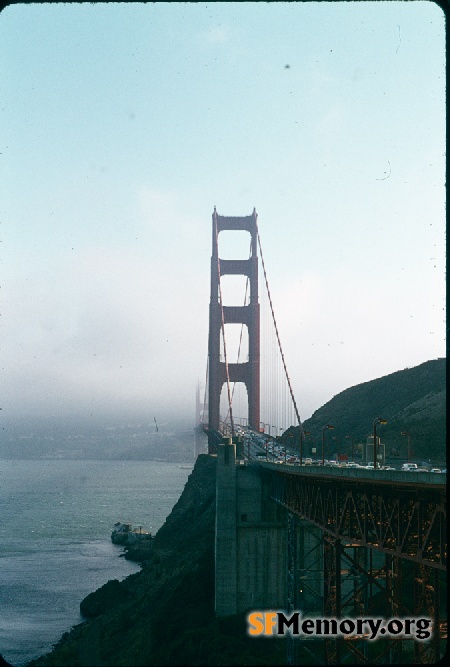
x=56, y=518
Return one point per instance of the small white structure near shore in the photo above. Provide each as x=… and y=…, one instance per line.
x=124, y=533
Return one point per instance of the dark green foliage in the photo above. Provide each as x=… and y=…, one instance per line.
x=99, y=601
x=411, y=400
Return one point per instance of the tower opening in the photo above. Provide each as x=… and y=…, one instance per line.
x=236, y=338
x=240, y=403
x=234, y=244
x=235, y=290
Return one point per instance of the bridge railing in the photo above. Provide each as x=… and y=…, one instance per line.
x=392, y=476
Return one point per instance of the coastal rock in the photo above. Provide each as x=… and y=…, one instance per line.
x=139, y=553
x=98, y=602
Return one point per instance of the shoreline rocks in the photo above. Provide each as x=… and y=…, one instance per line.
x=164, y=614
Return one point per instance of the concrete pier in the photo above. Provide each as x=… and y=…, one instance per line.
x=251, y=542
x=225, y=539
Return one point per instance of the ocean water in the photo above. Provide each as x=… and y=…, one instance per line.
x=56, y=518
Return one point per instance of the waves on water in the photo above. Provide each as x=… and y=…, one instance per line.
x=55, y=547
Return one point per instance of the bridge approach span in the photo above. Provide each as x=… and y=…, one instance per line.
x=399, y=515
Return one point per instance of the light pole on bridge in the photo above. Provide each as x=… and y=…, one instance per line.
x=378, y=420
x=303, y=434
x=325, y=428
x=349, y=437
x=408, y=434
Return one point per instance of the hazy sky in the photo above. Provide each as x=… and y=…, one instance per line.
x=123, y=125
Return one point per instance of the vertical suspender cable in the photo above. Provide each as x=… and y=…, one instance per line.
x=276, y=331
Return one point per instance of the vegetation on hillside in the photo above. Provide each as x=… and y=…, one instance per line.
x=412, y=400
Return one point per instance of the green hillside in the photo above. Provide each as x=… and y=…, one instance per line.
x=413, y=400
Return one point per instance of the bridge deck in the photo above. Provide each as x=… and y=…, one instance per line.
x=391, y=477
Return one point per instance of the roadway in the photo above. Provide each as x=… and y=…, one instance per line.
x=271, y=454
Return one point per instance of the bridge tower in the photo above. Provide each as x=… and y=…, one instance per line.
x=219, y=315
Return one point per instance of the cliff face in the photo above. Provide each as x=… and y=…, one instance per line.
x=164, y=614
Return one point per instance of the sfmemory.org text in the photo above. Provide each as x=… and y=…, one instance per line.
x=277, y=623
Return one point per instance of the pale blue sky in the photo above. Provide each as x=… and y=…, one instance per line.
x=123, y=125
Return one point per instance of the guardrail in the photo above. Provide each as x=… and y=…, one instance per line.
x=401, y=476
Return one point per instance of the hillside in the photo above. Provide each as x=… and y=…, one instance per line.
x=413, y=400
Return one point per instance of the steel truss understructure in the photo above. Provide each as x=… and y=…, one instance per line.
x=384, y=553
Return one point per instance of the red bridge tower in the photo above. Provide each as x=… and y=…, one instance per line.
x=219, y=315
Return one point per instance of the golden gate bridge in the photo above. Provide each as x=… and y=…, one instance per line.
x=399, y=517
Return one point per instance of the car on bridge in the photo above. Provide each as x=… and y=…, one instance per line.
x=409, y=466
